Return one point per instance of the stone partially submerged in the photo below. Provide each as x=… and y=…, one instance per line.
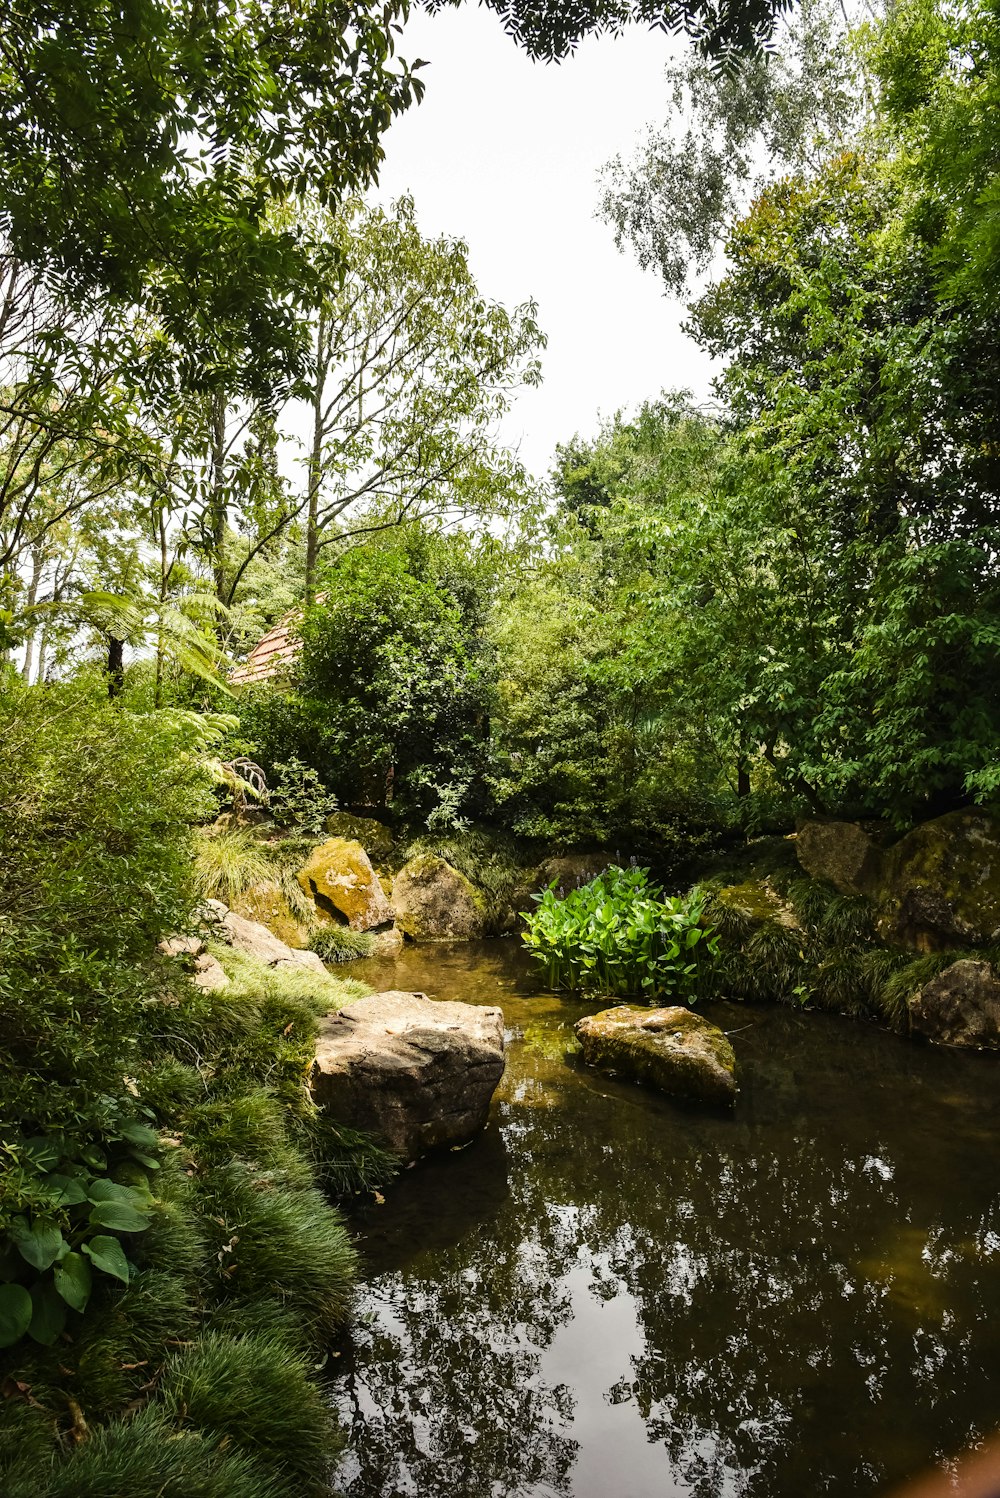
x=960, y=1007
x=418, y=1072
x=678, y=1052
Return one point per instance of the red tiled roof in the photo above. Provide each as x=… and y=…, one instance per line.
x=271, y=657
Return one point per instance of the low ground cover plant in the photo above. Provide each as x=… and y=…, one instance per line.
x=622, y=935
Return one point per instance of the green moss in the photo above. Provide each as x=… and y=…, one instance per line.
x=676, y=1051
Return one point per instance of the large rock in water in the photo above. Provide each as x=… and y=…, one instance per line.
x=940, y=884
x=431, y=900
x=341, y=881
x=672, y=1049
x=842, y=853
x=961, y=1007
x=418, y=1072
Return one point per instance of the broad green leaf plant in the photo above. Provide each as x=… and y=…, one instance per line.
x=621, y=935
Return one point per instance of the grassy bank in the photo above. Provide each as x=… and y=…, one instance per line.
x=172, y=1265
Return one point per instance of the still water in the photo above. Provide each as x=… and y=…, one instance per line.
x=608, y=1296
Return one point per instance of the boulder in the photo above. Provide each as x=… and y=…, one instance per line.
x=417, y=1072
x=940, y=885
x=431, y=900
x=842, y=853
x=678, y=1052
x=340, y=879
x=961, y=1006
x=374, y=837
x=261, y=944
x=268, y=904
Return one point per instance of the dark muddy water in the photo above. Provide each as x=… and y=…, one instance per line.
x=608, y=1296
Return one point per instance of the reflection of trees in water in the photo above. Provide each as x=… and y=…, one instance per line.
x=813, y=1300
x=451, y=1401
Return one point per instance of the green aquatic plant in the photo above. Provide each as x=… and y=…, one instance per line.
x=621, y=935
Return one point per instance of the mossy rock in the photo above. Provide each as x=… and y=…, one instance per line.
x=267, y=904
x=339, y=878
x=434, y=902
x=939, y=886
x=758, y=903
x=376, y=839
x=671, y=1049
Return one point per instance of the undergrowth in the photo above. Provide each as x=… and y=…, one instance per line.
x=818, y=949
x=164, y=1132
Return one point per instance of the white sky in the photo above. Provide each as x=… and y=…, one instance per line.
x=505, y=153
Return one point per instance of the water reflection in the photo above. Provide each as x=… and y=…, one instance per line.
x=609, y=1295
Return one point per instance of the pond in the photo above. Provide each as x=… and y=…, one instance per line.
x=608, y=1296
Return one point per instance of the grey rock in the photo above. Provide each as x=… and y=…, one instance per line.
x=960, y=1007
x=842, y=853
x=261, y=944
x=417, y=1072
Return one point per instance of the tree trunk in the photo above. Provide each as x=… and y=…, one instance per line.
x=116, y=666
x=218, y=509
x=32, y=598
x=316, y=458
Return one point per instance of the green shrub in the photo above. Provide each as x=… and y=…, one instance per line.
x=229, y=862
x=340, y=944
x=620, y=935
x=254, y=1393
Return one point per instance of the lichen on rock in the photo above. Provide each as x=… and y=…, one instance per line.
x=340, y=879
x=678, y=1052
x=433, y=901
x=940, y=884
x=960, y=1006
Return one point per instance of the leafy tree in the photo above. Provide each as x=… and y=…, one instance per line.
x=730, y=132
x=139, y=154
x=392, y=700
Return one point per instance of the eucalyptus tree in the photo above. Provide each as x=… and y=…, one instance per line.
x=731, y=131
x=411, y=369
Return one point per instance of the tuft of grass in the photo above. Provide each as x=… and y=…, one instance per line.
x=899, y=985
x=228, y=863
x=254, y=1393
x=272, y=1240
x=340, y=944
x=143, y=1457
x=346, y=1162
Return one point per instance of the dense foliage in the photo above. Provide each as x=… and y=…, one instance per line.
x=164, y=1241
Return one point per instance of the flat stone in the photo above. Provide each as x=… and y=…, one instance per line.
x=415, y=1071
x=960, y=1007
x=261, y=944
x=677, y=1052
